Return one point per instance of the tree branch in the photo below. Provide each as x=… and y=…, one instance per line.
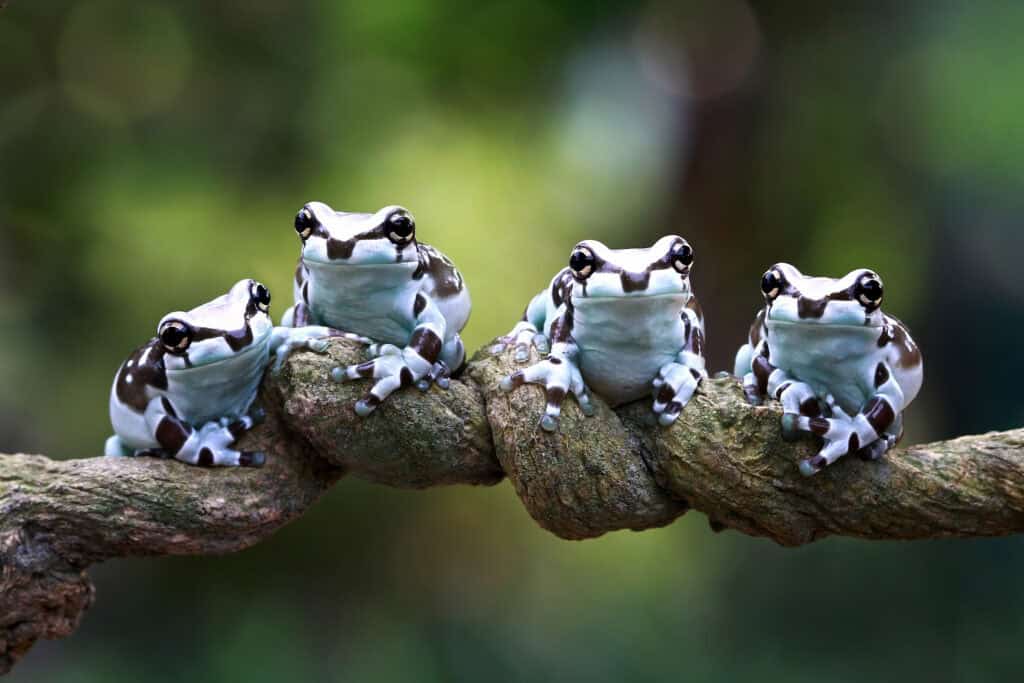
x=612, y=471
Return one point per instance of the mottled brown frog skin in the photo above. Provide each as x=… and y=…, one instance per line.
x=365, y=276
x=621, y=322
x=186, y=393
x=842, y=368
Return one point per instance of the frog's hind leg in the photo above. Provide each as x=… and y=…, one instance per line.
x=207, y=446
x=885, y=443
x=878, y=420
x=453, y=355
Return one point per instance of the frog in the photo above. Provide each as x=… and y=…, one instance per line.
x=843, y=369
x=367, y=278
x=621, y=323
x=188, y=392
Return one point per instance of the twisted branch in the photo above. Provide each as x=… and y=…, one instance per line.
x=612, y=471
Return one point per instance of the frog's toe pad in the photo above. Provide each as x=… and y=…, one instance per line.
x=512, y=382
x=790, y=427
x=549, y=423
x=364, y=407
x=670, y=415
x=812, y=466
x=252, y=459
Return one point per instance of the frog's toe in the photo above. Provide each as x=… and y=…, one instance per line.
x=258, y=414
x=541, y=342
x=812, y=466
x=586, y=405
x=365, y=406
x=790, y=427
x=670, y=414
x=549, y=423
x=353, y=372
x=252, y=459
x=513, y=381
x=875, y=450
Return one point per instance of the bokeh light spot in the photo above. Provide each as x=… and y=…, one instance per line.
x=700, y=49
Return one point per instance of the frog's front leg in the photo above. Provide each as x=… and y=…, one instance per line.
x=675, y=385
x=395, y=368
x=559, y=374
x=526, y=332
x=285, y=339
x=877, y=421
x=207, y=446
x=677, y=381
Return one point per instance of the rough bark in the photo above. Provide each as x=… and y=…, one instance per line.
x=616, y=470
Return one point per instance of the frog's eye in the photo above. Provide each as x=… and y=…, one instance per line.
x=400, y=226
x=869, y=291
x=582, y=262
x=771, y=284
x=176, y=336
x=682, y=257
x=260, y=295
x=305, y=223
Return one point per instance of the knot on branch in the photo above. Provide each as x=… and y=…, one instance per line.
x=616, y=470
x=619, y=470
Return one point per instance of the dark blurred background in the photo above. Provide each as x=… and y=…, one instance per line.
x=152, y=153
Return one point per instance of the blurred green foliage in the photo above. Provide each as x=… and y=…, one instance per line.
x=152, y=153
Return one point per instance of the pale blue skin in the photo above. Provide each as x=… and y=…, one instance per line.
x=846, y=357
x=623, y=345
x=384, y=290
x=214, y=388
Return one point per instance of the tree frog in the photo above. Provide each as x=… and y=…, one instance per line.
x=366, y=276
x=186, y=393
x=622, y=322
x=842, y=368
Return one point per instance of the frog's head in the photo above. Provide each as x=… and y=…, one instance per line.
x=853, y=300
x=359, y=239
x=662, y=269
x=219, y=330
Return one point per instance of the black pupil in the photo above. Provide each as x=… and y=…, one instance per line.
x=173, y=335
x=304, y=221
x=872, y=289
x=579, y=260
x=401, y=224
x=769, y=283
x=685, y=254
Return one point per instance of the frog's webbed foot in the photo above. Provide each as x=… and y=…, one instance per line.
x=521, y=338
x=673, y=388
x=285, y=340
x=393, y=368
x=558, y=377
